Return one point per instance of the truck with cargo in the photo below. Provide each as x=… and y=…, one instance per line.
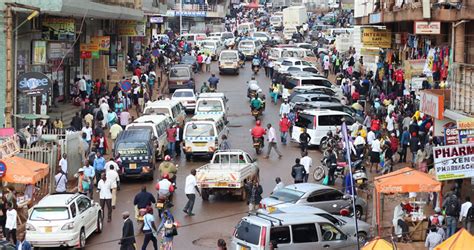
x=227, y=173
x=294, y=16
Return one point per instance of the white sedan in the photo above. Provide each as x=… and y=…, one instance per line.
x=186, y=97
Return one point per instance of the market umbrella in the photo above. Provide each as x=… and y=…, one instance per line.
x=23, y=171
x=31, y=116
x=378, y=244
x=460, y=240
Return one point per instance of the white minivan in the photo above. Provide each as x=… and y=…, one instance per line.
x=172, y=108
x=318, y=123
x=212, y=103
x=249, y=47
x=229, y=61
x=158, y=124
x=203, y=134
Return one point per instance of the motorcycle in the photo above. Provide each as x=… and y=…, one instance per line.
x=255, y=69
x=256, y=113
x=258, y=144
x=241, y=63
x=212, y=90
x=359, y=175
x=163, y=203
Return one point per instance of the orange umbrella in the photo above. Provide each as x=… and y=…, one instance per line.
x=23, y=171
x=458, y=241
x=406, y=180
x=378, y=244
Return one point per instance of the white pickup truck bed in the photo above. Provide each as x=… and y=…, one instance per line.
x=222, y=175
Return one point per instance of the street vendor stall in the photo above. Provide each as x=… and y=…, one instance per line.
x=460, y=240
x=407, y=180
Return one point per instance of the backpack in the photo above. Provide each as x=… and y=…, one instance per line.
x=470, y=214
x=452, y=206
x=435, y=220
x=143, y=78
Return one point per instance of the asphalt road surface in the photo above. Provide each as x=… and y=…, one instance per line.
x=217, y=217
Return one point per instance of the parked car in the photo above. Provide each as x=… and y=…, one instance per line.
x=63, y=220
x=189, y=60
x=314, y=97
x=186, y=97
x=308, y=89
x=315, y=195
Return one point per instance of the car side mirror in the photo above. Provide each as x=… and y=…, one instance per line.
x=346, y=197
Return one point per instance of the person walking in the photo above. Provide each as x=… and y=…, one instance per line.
x=284, y=128
x=279, y=185
x=190, y=190
x=105, y=195
x=63, y=164
x=113, y=177
x=143, y=200
x=285, y=108
x=305, y=138
x=208, y=63
x=11, y=223
x=433, y=238
x=99, y=166
x=127, y=242
x=307, y=162
x=168, y=229
x=254, y=194
x=405, y=142
x=452, y=207
x=298, y=172
x=466, y=215
x=89, y=172
x=22, y=244
x=61, y=182
x=149, y=229
x=179, y=139
x=272, y=141
x=83, y=182
x=171, y=137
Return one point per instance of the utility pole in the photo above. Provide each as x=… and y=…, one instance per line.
x=180, y=17
x=9, y=79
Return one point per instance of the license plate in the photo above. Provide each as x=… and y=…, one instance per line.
x=159, y=205
x=179, y=83
x=360, y=181
x=133, y=166
x=200, y=144
x=48, y=229
x=228, y=63
x=243, y=248
x=222, y=184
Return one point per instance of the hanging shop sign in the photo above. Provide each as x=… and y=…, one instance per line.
x=156, y=19
x=89, y=47
x=372, y=37
x=427, y=28
x=451, y=136
x=130, y=28
x=59, y=29
x=39, y=52
x=33, y=83
x=454, y=161
x=59, y=50
x=466, y=130
x=467, y=123
x=432, y=104
x=102, y=42
x=86, y=55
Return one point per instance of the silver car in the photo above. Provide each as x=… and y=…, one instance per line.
x=315, y=195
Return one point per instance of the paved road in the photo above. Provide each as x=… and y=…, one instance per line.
x=216, y=218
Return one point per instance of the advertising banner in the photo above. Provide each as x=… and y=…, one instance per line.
x=466, y=130
x=372, y=37
x=451, y=136
x=454, y=161
x=432, y=104
x=39, y=52
x=102, y=42
x=427, y=28
x=59, y=29
x=130, y=28
x=33, y=83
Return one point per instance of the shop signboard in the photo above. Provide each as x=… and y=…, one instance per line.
x=58, y=50
x=86, y=54
x=431, y=104
x=427, y=28
x=39, y=52
x=454, y=161
x=130, y=28
x=343, y=42
x=156, y=19
x=466, y=130
x=33, y=83
x=375, y=18
x=3, y=169
x=451, y=136
x=102, y=42
x=89, y=47
x=372, y=37
x=59, y=29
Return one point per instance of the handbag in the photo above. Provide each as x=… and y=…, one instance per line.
x=326, y=180
x=85, y=185
x=171, y=231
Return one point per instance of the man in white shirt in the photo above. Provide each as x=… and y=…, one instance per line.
x=63, y=163
x=284, y=108
x=370, y=136
x=61, y=182
x=114, y=179
x=190, y=191
x=124, y=118
x=88, y=131
x=272, y=142
x=105, y=195
x=375, y=152
x=463, y=215
x=82, y=85
x=390, y=123
x=279, y=185
x=307, y=162
x=10, y=224
x=104, y=107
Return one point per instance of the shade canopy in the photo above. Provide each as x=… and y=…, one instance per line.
x=406, y=180
x=23, y=171
x=378, y=244
x=458, y=241
x=31, y=116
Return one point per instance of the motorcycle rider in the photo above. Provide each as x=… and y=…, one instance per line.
x=169, y=168
x=204, y=88
x=258, y=132
x=253, y=87
x=331, y=162
x=256, y=103
x=213, y=81
x=256, y=63
x=164, y=187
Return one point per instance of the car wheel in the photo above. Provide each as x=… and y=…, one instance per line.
x=362, y=237
x=82, y=239
x=205, y=194
x=100, y=223
x=359, y=212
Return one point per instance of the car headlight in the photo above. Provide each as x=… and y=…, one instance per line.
x=29, y=227
x=68, y=226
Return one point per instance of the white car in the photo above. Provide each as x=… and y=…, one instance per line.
x=63, y=220
x=262, y=36
x=186, y=97
x=292, y=62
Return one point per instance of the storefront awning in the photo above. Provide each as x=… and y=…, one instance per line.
x=406, y=180
x=96, y=10
x=23, y=171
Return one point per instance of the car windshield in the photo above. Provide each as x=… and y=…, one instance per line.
x=247, y=232
x=208, y=44
x=229, y=56
x=183, y=94
x=275, y=19
x=287, y=195
x=209, y=106
x=227, y=35
x=246, y=44
x=180, y=73
x=149, y=128
x=188, y=59
x=49, y=213
x=131, y=148
x=199, y=130
x=156, y=111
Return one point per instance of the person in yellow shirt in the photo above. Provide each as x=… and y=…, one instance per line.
x=58, y=124
x=114, y=131
x=88, y=119
x=362, y=132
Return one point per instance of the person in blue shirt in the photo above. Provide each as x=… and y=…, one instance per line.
x=149, y=229
x=213, y=81
x=165, y=228
x=22, y=244
x=90, y=173
x=405, y=141
x=99, y=166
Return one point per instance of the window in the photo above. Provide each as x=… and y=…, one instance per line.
x=49, y=213
x=330, y=233
x=280, y=234
x=83, y=204
x=304, y=233
x=287, y=63
x=175, y=111
x=287, y=195
x=312, y=70
x=293, y=69
x=349, y=119
x=248, y=232
x=298, y=98
x=325, y=195
x=305, y=121
x=330, y=218
x=199, y=130
x=73, y=209
x=297, y=63
x=324, y=120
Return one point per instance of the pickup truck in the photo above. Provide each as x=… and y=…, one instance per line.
x=227, y=173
